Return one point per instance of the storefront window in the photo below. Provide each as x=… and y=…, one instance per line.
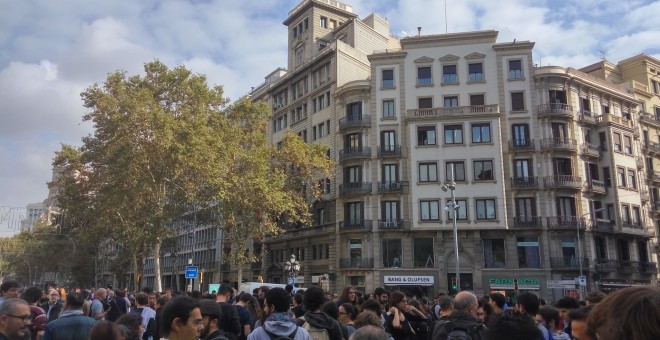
x=423, y=252
x=392, y=253
x=528, y=252
x=494, y=254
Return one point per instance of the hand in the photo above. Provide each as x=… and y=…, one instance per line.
x=393, y=310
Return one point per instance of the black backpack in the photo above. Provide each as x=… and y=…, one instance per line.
x=460, y=333
x=274, y=336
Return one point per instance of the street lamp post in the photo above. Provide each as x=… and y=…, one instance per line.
x=293, y=267
x=580, y=259
x=453, y=207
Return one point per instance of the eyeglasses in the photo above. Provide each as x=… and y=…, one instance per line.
x=25, y=318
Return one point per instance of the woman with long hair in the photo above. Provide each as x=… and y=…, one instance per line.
x=348, y=295
x=130, y=325
x=396, y=322
x=249, y=312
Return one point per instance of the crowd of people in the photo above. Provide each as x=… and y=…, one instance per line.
x=280, y=314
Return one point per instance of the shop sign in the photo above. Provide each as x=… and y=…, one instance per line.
x=562, y=284
x=511, y=283
x=398, y=280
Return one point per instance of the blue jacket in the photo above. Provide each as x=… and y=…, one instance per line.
x=71, y=325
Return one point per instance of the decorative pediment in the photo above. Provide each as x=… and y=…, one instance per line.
x=475, y=55
x=423, y=60
x=449, y=58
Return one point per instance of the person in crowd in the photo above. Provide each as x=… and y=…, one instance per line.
x=131, y=326
x=464, y=317
x=314, y=318
x=14, y=319
x=147, y=314
x=445, y=307
x=278, y=323
x=152, y=299
x=396, y=322
x=116, y=306
x=182, y=319
x=159, y=312
x=548, y=316
x=564, y=305
x=37, y=314
x=579, y=326
x=347, y=313
x=528, y=303
x=497, y=301
x=71, y=324
x=297, y=308
x=229, y=322
x=418, y=319
x=375, y=307
x=367, y=318
x=54, y=306
x=348, y=295
x=248, y=310
x=9, y=289
x=211, y=315
x=370, y=333
x=383, y=296
x=99, y=307
x=594, y=297
x=330, y=308
x=261, y=294
x=105, y=330
x=86, y=304
x=514, y=325
x=629, y=313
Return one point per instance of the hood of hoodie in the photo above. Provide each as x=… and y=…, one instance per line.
x=282, y=328
x=319, y=320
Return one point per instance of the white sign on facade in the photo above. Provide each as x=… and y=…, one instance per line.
x=399, y=280
x=561, y=284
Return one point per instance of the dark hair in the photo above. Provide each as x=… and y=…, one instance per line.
x=629, y=313
x=225, y=289
x=331, y=308
x=314, y=298
x=550, y=314
x=85, y=294
x=379, y=291
x=147, y=290
x=288, y=288
x=179, y=307
x=278, y=298
x=105, y=330
x=9, y=284
x=367, y=318
x=141, y=299
x=530, y=301
x=252, y=304
x=351, y=311
x=75, y=300
x=345, y=294
x=595, y=297
x=499, y=299
x=372, y=306
x=513, y=325
x=264, y=289
x=580, y=314
x=298, y=298
x=32, y=294
x=446, y=302
x=131, y=322
x=162, y=300
x=567, y=302
x=396, y=297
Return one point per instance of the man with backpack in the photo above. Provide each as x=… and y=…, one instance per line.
x=321, y=326
x=211, y=315
x=278, y=324
x=148, y=316
x=462, y=323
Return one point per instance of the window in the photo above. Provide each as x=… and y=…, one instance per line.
x=523, y=168
x=428, y=172
x=423, y=254
x=605, y=109
x=319, y=217
x=453, y=134
x=390, y=211
x=517, y=101
x=632, y=182
x=627, y=145
x=585, y=106
x=388, y=141
x=299, y=56
x=476, y=72
x=525, y=209
x=390, y=173
x=625, y=213
x=617, y=141
x=481, y=133
x=459, y=171
x=655, y=85
x=425, y=103
x=426, y=135
x=392, y=253
x=636, y=216
x=461, y=212
x=424, y=76
x=295, y=31
x=477, y=100
x=429, y=210
x=449, y=75
x=494, y=253
x=528, y=252
x=483, y=171
x=353, y=213
x=324, y=22
x=515, y=69
x=485, y=209
x=354, y=111
x=388, y=78
x=388, y=109
x=521, y=135
x=621, y=177
x=607, y=177
x=451, y=101
x=602, y=139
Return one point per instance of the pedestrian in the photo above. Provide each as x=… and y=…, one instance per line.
x=529, y=303
x=71, y=324
x=211, y=315
x=105, y=330
x=54, y=306
x=14, y=319
x=514, y=325
x=37, y=314
x=131, y=326
x=462, y=320
x=278, y=323
x=314, y=319
x=629, y=313
x=229, y=321
x=182, y=319
x=147, y=314
x=548, y=316
x=9, y=289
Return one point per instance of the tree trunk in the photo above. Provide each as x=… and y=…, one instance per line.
x=156, y=254
x=136, y=281
x=239, y=277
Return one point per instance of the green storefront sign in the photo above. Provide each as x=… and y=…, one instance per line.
x=510, y=283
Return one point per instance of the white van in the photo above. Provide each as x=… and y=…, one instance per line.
x=248, y=287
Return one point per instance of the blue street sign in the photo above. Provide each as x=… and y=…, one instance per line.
x=292, y=281
x=191, y=272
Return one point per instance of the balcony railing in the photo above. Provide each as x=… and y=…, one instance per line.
x=654, y=176
x=393, y=225
x=455, y=111
x=571, y=222
x=355, y=152
x=602, y=225
x=521, y=145
x=355, y=121
x=528, y=222
x=606, y=265
x=361, y=225
x=386, y=186
x=588, y=118
x=591, y=150
x=632, y=225
x=648, y=267
x=568, y=262
x=626, y=266
x=652, y=147
x=525, y=182
x=655, y=207
x=640, y=162
x=559, y=144
x=556, y=109
x=355, y=188
x=389, y=151
x=562, y=182
x=595, y=187
x=358, y=262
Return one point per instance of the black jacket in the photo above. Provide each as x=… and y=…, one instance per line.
x=325, y=321
x=229, y=322
x=459, y=319
x=55, y=312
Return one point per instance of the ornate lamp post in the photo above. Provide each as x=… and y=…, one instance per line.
x=580, y=259
x=293, y=267
x=453, y=207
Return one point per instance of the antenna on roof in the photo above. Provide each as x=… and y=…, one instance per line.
x=602, y=54
x=445, y=16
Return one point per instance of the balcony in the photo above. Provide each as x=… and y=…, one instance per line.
x=593, y=186
x=530, y=182
x=654, y=177
x=590, y=150
x=602, y=225
x=360, y=225
x=632, y=224
x=655, y=208
x=559, y=144
x=355, y=152
x=521, y=145
x=354, y=121
x=357, y=263
x=528, y=222
x=385, y=151
x=652, y=148
x=556, y=110
x=648, y=267
x=649, y=118
x=640, y=162
x=589, y=119
x=606, y=265
x=612, y=119
x=565, y=222
x=644, y=196
x=626, y=266
x=393, y=225
x=571, y=263
x=562, y=182
x=453, y=112
x=385, y=187
x=355, y=188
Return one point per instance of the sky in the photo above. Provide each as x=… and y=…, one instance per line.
x=50, y=51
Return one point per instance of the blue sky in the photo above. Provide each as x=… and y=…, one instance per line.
x=52, y=50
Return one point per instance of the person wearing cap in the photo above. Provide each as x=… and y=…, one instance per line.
x=211, y=315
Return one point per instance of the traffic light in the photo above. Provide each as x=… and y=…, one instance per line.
x=515, y=283
x=453, y=283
